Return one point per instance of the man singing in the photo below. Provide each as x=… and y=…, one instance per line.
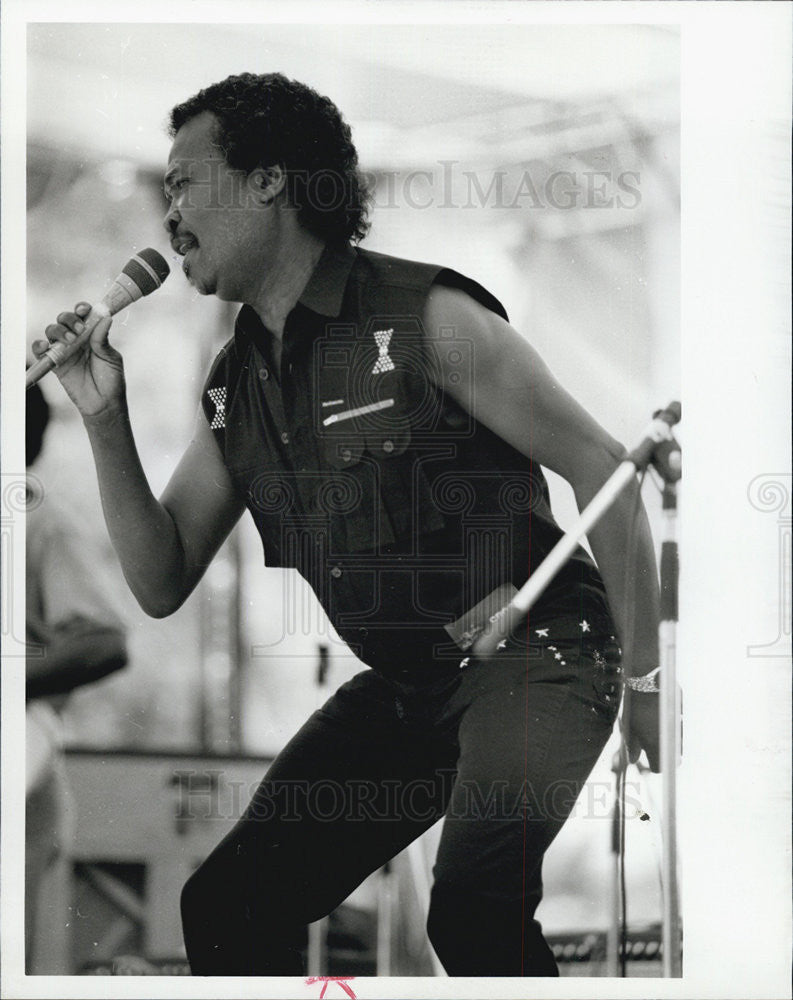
x=385, y=426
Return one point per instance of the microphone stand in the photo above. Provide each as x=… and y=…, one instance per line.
x=670, y=719
x=615, y=958
x=658, y=448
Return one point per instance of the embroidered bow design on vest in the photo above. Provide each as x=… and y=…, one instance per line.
x=218, y=397
x=384, y=363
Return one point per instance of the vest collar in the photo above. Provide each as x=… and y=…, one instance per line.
x=323, y=294
x=324, y=291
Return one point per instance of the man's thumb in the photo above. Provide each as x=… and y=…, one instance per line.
x=99, y=335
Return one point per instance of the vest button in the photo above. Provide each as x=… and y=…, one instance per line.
x=388, y=447
x=336, y=572
x=346, y=454
x=285, y=437
x=263, y=374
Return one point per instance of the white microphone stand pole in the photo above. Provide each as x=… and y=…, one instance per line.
x=659, y=448
x=670, y=734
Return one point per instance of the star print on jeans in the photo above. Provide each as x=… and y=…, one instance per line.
x=218, y=397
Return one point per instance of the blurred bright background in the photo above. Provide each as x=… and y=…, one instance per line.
x=541, y=160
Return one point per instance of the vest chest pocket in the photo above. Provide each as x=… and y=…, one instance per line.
x=343, y=452
x=395, y=498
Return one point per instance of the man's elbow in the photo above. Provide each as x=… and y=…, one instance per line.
x=160, y=595
x=160, y=604
x=159, y=607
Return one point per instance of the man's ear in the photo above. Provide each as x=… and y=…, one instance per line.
x=266, y=183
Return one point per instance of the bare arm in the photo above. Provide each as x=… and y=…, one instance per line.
x=517, y=397
x=163, y=545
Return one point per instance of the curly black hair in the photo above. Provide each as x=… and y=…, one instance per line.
x=267, y=119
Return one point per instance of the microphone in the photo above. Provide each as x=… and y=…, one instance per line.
x=658, y=446
x=141, y=275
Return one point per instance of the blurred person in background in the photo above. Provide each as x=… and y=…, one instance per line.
x=380, y=419
x=74, y=638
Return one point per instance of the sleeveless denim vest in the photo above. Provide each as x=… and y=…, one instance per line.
x=399, y=508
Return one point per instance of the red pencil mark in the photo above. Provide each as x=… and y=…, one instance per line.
x=341, y=980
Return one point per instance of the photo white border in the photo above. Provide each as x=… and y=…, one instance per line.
x=736, y=61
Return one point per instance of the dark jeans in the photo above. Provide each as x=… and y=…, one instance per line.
x=501, y=748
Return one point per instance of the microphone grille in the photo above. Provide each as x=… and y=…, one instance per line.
x=148, y=269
